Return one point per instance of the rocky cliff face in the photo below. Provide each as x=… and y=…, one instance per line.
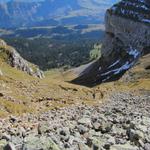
x=127, y=38
x=128, y=23
x=15, y=60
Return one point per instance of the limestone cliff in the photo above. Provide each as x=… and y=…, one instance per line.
x=127, y=38
x=13, y=58
x=128, y=23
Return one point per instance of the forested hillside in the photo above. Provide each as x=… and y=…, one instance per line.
x=48, y=53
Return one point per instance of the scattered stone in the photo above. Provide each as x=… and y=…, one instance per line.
x=123, y=147
x=64, y=134
x=13, y=119
x=3, y=143
x=75, y=128
x=111, y=140
x=17, y=140
x=43, y=142
x=96, y=126
x=82, y=129
x=147, y=146
x=6, y=136
x=98, y=143
x=39, y=74
x=82, y=146
x=43, y=128
x=135, y=135
x=146, y=121
x=106, y=127
x=85, y=121
x=10, y=146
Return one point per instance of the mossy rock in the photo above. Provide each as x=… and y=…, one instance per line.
x=43, y=142
x=3, y=143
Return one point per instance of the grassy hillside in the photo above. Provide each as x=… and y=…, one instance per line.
x=48, y=54
x=21, y=93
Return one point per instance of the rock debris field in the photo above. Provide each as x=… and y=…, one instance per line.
x=120, y=123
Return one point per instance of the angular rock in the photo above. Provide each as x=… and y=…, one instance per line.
x=106, y=127
x=85, y=121
x=135, y=135
x=64, y=134
x=6, y=136
x=146, y=121
x=123, y=147
x=98, y=143
x=96, y=126
x=43, y=128
x=3, y=143
x=39, y=74
x=147, y=146
x=82, y=146
x=43, y=142
x=82, y=129
x=10, y=146
x=111, y=140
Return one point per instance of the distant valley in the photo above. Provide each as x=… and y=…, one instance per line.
x=56, y=12
x=55, y=46
x=56, y=33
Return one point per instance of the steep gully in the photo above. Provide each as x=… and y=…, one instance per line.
x=126, y=40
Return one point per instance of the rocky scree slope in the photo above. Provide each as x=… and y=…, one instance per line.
x=113, y=126
x=127, y=38
x=118, y=121
x=13, y=58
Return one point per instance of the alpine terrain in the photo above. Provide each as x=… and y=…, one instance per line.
x=94, y=93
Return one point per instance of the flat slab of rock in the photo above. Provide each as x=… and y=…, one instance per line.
x=123, y=147
x=85, y=121
x=43, y=142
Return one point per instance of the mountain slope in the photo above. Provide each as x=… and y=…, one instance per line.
x=10, y=56
x=22, y=93
x=126, y=39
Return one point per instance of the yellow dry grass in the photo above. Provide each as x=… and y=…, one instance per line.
x=27, y=94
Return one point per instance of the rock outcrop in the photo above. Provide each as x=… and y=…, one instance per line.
x=128, y=25
x=15, y=60
x=127, y=38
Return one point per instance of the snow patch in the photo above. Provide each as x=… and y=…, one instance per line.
x=114, y=63
x=133, y=52
x=106, y=73
x=126, y=66
x=146, y=20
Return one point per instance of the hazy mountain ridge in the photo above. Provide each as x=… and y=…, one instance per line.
x=21, y=13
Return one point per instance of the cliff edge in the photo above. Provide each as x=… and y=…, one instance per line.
x=12, y=57
x=127, y=38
